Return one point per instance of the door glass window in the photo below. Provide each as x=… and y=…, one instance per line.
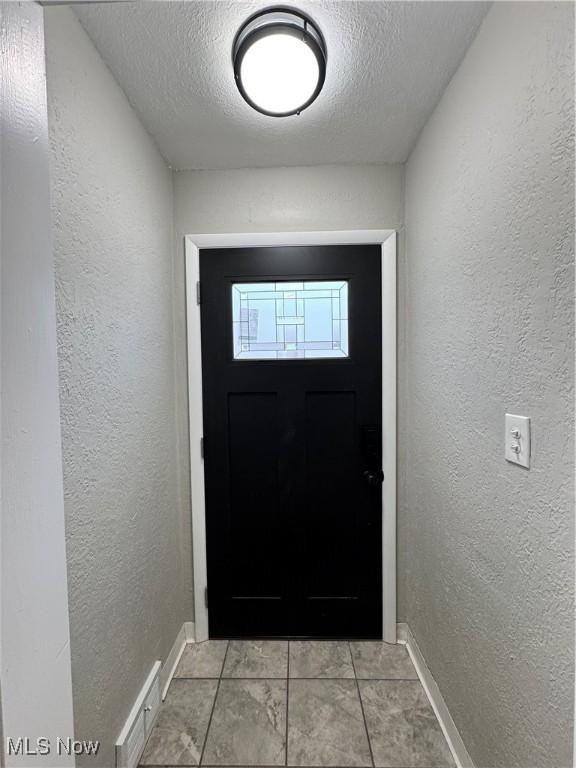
x=290, y=320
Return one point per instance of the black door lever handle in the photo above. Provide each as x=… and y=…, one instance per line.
x=374, y=477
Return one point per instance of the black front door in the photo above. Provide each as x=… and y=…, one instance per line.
x=291, y=359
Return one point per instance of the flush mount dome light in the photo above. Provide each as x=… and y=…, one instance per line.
x=279, y=60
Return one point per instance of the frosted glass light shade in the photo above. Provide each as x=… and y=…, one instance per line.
x=279, y=73
x=279, y=60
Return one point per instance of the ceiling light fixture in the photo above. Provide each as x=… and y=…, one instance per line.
x=279, y=58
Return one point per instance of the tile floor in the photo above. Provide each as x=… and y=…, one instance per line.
x=298, y=703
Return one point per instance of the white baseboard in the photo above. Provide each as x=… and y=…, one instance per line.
x=190, y=630
x=455, y=742
x=171, y=662
x=184, y=636
x=138, y=726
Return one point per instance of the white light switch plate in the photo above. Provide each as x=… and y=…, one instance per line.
x=517, y=440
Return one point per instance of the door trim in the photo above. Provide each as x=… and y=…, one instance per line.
x=386, y=238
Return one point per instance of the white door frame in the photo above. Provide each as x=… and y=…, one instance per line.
x=386, y=238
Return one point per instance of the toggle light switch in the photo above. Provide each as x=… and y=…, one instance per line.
x=517, y=440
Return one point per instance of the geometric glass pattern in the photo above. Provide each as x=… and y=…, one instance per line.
x=290, y=320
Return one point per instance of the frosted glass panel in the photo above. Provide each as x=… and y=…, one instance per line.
x=300, y=320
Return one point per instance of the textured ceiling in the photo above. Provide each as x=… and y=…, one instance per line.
x=388, y=63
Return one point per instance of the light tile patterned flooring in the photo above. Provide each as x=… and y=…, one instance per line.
x=298, y=703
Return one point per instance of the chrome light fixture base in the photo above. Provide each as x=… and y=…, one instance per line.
x=279, y=21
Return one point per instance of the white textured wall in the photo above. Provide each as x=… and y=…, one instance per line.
x=127, y=527
x=289, y=199
x=34, y=639
x=486, y=548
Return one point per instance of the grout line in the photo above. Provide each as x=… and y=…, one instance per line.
x=361, y=705
x=287, y=700
x=389, y=679
x=319, y=679
x=213, y=704
x=283, y=677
